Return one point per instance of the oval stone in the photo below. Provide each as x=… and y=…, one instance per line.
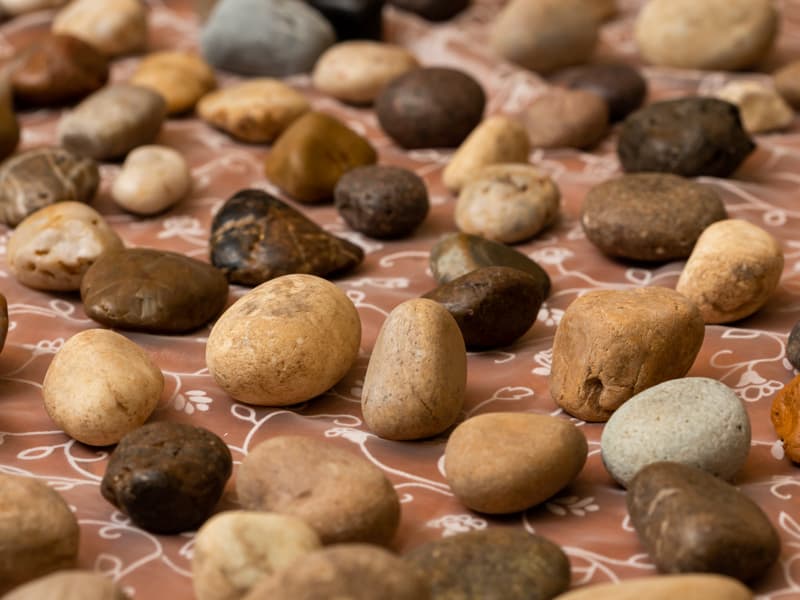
x=432, y=10
x=152, y=179
x=182, y=78
x=69, y=585
x=761, y=108
x=621, y=86
x=785, y=415
x=666, y=587
x=114, y=27
x=562, y=118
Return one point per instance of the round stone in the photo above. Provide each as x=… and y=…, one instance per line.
x=152, y=179
x=432, y=10
x=793, y=346
x=787, y=82
x=563, y=118
x=761, y=108
x=69, y=585
x=114, y=27
x=620, y=85
x=181, y=78
x=785, y=415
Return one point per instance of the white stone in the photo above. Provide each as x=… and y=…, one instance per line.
x=152, y=179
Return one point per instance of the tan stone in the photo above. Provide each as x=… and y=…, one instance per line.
x=562, y=118
x=761, y=107
x=665, y=587
x=182, y=78
x=114, y=27
x=787, y=82
x=20, y=7
x=152, y=179
x=69, y=585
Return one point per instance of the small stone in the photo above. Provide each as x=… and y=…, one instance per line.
x=732, y=271
x=500, y=463
x=39, y=178
x=353, y=19
x=167, y=477
x=255, y=237
x=114, y=27
x=152, y=179
x=357, y=71
x=507, y=203
x=612, y=344
x=417, y=374
x=69, y=585
x=493, y=306
x=152, y=290
x=182, y=78
x=3, y=321
x=690, y=521
x=566, y=119
x=602, y=9
x=786, y=418
x=787, y=82
x=688, y=136
x=14, y=8
x=9, y=127
x=430, y=107
x=620, y=85
x=432, y=10
x=793, y=346
x=312, y=155
x=343, y=496
x=52, y=248
x=665, y=587
x=693, y=421
x=761, y=108
x=649, y=216
x=382, y=202
x=494, y=564
x=113, y=121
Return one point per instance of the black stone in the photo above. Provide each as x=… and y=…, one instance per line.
x=353, y=19
x=432, y=10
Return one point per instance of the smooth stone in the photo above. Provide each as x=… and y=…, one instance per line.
x=3, y=321
x=612, y=344
x=761, y=108
x=38, y=178
x=493, y=306
x=507, y=203
x=432, y=10
x=500, y=463
x=785, y=415
x=649, y=216
x=353, y=19
x=14, y=8
x=382, y=202
x=152, y=179
x=688, y=136
x=665, y=587
x=562, y=118
x=494, y=564
x=255, y=237
x=340, y=494
x=299, y=315
x=690, y=521
x=311, y=156
x=602, y=10
x=430, y=107
x=9, y=126
x=732, y=271
x=53, y=248
x=417, y=373
x=620, y=85
x=143, y=289
x=787, y=82
x=110, y=123
x=265, y=38
x=114, y=27
x=793, y=346
x=181, y=78
x=69, y=585
x=693, y=421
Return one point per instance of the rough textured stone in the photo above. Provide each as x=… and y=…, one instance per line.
x=152, y=179
x=181, y=78
x=786, y=418
x=793, y=346
x=666, y=587
x=353, y=19
x=432, y=10
x=761, y=108
x=114, y=27
x=9, y=127
x=787, y=82
x=566, y=119
x=620, y=85
x=69, y=585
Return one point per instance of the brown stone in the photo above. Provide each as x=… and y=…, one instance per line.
x=9, y=127
x=3, y=321
x=182, y=78
x=786, y=418
x=114, y=27
x=564, y=118
x=620, y=85
x=787, y=82
x=666, y=587
x=761, y=107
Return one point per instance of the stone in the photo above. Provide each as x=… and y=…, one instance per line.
x=500, y=463
x=255, y=237
x=235, y=549
x=417, y=373
x=158, y=291
x=665, y=587
x=114, y=27
x=602, y=9
x=52, y=248
x=273, y=38
x=493, y=306
x=493, y=564
x=620, y=85
x=382, y=202
x=432, y=10
x=649, y=216
x=787, y=82
x=38, y=178
x=69, y=585
x=152, y=179
x=793, y=346
x=715, y=35
x=498, y=139
x=100, y=386
x=181, y=78
x=785, y=414
x=340, y=494
x=357, y=71
x=732, y=271
x=167, y=477
x=9, y=126
x=3, y=320
x=110, y=123
x=299, y=315
x=612, y=344
x=353, y=19
x=311, y=156
x=14, y=8
x=507, y=203
x=688, y=136
x=562, y=118
x=690, y=521
x=761, y=108
x=430, y=107
x=693, y=421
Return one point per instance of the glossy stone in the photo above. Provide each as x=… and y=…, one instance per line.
x=182, y=78
x=620, y=85
x=432, y=10
x=153, y=178
x=353, y=19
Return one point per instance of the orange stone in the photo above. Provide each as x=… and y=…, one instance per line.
x=786, y=418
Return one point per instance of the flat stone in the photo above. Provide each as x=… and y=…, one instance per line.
x=620, y=85
x=761, y=107
x=353, y=19
x=432, y=10
x=665, y=587
x=563, y=118
x=787, y=82
x=9, y=127
x=152, y=179
x=785, y=414
x=114, y=27
x=182, y=78
x=793, y=346
x=69, y=585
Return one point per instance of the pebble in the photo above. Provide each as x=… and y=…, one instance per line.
x=787, y=82
x=665, y=587
x=272, y=38
x=507, y=203
x=562, y=118
x=693, y=421
x=357, y=71
x=14, y=8
x=690, y=521
x=158, y=291
x=500, y=463
x=649, y=216
x=353, y=19
x=52, y=248
x=302, y=316
x=612, y=344
x=69, y=585
x=688, y=136
x=493, y=306
x=793, y=346
x=417, y=374
x=716, y=35
x=98, y=406
x=382, y=202
x=339, y=493
x=621, y=86
x=111, y=122
x=152, y=179
x=255, y=237
x=114, y=27
x=3, y=320
x=493, y=564
x=431, y=107
x=181, y=78
x=602, y=9
x=9, y=126
x=785, y=414
x=732, y=271
x=432, y=10
x=761, y=108
x=311, y=156
x=38, y=178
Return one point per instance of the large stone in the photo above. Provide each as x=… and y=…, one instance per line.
x=761, y=107
x=620, y=85
x=562, y=118
x=353, y=19
x=182, y=78
x=114, y=27
x=666, y=587
x=785, y=414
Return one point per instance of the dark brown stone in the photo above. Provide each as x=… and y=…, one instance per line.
x=353, y=19
x=620, y=85
x=3, y=320
x=432, y=10
x=9, y=127
x=793, y=346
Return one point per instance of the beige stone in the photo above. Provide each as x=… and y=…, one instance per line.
x=760, y=106
x=152, y=179
x=182, y=78
x=19, y=7
x=562, y=118
x=665, y=587
x=787, y=82
x=69, y=585
x=114, y=27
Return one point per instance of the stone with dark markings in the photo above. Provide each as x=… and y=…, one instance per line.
x=620, y=85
